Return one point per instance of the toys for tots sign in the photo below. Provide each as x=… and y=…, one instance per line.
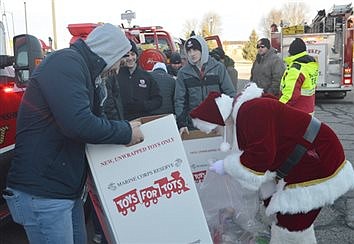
x=149, y=187
x=163, y=187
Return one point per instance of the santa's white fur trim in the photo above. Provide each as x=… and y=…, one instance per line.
x=204, y=125
x=281, y=235
x=225, y=146
x=246, y=177
x=249, y=93
x=224, y=104
x=304, y=199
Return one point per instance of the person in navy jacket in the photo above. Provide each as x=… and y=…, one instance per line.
x=60, y=112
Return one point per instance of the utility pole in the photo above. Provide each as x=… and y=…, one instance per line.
x=4, y=15
x=211, y=25
x=24, y=3
x=54, y=25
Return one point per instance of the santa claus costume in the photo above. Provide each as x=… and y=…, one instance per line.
x=296, y=162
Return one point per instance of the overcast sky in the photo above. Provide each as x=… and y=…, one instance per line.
x=237, y=21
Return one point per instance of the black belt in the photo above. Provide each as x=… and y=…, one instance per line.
x=299, y=150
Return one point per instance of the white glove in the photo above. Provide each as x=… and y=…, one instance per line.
x=218, y=167
x=183, y=130
x=267, y=189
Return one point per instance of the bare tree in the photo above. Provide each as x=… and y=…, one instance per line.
x=189, y=26
x=293, y=13
x=274, y=17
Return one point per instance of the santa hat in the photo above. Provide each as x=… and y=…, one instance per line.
x=213, y=111
x=216, y=108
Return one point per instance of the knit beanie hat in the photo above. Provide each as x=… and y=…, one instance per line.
x=109, y=42
x=297, y=46
x=265, y=42
x=193, y=43
x=159, y=65
x=175, y=58
x=134, y=48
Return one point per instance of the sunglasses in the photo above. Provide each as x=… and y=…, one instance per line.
x=260, y=46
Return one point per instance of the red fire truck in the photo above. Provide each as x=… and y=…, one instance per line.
x=155, y=43
x=329, y=38
x=14, y=72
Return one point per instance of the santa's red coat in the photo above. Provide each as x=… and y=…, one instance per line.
x=267, y=131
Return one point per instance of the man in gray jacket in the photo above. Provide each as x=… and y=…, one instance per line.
x=268, y=68
x=201, y=75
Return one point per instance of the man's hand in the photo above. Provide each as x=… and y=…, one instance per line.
x=137, y=135
x=218, y=167
x=183, y=130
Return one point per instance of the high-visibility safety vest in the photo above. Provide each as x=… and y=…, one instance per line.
x=298, y=84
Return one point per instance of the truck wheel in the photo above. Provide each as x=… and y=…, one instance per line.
x=337, y=94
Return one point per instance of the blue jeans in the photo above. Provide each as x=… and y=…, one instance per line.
x=46, y=220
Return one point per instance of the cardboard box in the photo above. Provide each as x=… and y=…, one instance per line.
x=147, y=191
x=202, y=149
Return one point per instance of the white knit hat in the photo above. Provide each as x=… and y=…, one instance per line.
x=160, y=65
x=109, y=42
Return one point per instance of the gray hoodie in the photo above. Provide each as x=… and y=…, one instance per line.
x=100, y=42
x=193, y=86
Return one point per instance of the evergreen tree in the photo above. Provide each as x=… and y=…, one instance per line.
x=249, y=51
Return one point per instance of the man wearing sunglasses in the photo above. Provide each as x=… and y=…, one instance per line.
x=268, y=68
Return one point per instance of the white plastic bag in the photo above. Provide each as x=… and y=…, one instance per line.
x=230, y=209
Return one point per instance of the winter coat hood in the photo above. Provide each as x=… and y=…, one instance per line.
x=109, y=42
x=302, y=57
x=205, y=51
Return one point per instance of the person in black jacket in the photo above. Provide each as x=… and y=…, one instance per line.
x=175, y=64
x=60, y=113
x=166, y=83
x=139, y=92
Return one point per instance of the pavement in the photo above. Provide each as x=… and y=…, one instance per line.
x=330, y=226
